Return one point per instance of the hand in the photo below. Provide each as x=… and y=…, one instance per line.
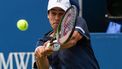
x=43, y=51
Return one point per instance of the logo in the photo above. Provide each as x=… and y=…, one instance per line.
x=17, y=60
x=59, y=0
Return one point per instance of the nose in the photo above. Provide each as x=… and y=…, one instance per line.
x=57, y=17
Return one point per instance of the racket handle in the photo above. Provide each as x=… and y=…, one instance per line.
x=55, y=47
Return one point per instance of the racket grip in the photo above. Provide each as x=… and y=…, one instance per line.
x=55, y=47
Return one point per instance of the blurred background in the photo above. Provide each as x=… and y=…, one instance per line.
x=103, y=17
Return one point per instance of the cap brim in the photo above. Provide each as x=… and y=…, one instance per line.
x=57, y=5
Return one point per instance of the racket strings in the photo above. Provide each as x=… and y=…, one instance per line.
x=68, y=22
x=67, y=25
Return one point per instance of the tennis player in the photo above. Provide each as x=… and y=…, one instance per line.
x=77, y=53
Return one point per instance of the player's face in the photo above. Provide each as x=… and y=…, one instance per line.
x=54, y=16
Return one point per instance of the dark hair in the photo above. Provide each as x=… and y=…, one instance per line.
x=76, y=3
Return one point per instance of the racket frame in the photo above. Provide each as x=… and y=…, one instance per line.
x=57, y=34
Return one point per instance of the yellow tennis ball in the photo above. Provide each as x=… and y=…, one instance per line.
x=22, y=24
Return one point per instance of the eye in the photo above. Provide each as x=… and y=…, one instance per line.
x=61, y=14
x=53, y=13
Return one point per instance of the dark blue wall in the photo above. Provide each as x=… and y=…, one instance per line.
x=94, y=12
x=34, y=11
x=108, y=50
x=13, y=40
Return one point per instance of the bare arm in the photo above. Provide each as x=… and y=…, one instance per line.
x=41, y=53
x=74, y=39
x=42, y=63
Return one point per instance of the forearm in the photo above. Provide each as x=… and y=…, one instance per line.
x=73, y=40
x=42, y=63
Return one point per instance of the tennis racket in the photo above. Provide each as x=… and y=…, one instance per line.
x=65, y=28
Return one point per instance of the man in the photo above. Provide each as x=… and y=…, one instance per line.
x=75, y=54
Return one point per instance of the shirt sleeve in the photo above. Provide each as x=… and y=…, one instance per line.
x=41, y=41
x=82, y=28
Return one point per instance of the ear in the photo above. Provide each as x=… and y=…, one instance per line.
x=48, y=16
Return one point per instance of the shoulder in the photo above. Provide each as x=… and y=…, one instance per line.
x=80, y=20
x=81, y=27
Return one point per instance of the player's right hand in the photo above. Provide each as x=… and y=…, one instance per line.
x=43, y=51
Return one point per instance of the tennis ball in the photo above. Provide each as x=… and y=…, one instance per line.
x=22, y=24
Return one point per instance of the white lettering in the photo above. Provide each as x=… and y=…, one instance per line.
x=6, y=64
x=17, y=60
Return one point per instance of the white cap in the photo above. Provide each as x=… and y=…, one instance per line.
x=63, y=4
